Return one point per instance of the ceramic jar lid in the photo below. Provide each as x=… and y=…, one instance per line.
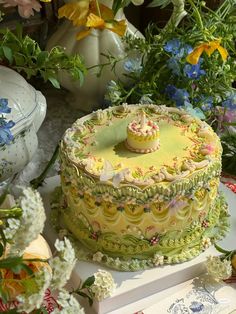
x=27, y=104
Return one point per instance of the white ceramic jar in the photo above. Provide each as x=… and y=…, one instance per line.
x=92, y=49
x=28, y=110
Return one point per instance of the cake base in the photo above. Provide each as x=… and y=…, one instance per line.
x=215, y=232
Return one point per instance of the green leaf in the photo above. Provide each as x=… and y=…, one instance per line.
x=18, y=268
x=3, y=238
x=84, y=295
x=1, y=249
x=54, y=82
x=3, y=196
x=8, y=53
x=20, y=59
x=221, y=250
x=159, y=3
x=88, y=282
x=3, y=294
x=10, y=262
x=81, y=78
x=41, y=58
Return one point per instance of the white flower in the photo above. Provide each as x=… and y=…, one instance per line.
x=13, y=225
x=63, y=264
x=31, y=221
x=217, y=268
x=97, y=257
x=206, y=243
x=68, y=303
x=158, y=260
x=29, y=302
x=103, y=285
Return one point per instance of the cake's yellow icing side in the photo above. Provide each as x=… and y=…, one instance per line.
x=142, y=219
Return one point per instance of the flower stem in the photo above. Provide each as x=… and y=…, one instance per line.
x=98, y=8
x=35, y=183
x=197, y=14
x=14, y=212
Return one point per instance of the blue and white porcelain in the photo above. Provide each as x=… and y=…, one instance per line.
x=22, y=111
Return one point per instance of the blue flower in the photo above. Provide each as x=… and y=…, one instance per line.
x=194, y=71
x=187, y=49
x=181, y=97
x=174, y=65
x=173, y=46
x=206, y=102
x=196, y=306
x=5, y=134
x=177, y=48
x=4, y=106
x=170, y=90
x=230, y=102
x=133, y=65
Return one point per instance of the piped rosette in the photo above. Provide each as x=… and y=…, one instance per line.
x=143, y=136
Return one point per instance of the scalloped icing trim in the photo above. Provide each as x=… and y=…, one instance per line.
x=192, y=245
x=85, y=182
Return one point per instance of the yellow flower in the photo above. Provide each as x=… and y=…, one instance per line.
x=87, y=13
x=209, y=48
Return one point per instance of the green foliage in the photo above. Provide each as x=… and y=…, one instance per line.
x=23, y=54
x=200, y=25
x=228, y=142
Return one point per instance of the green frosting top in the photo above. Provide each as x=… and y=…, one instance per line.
x=95, y=144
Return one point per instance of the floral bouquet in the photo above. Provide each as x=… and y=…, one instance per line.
x=33, y=282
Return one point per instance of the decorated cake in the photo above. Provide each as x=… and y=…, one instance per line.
x=140, y=186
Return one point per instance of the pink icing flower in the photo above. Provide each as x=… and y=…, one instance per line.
x=205, y=224
x=208, y=149
x=154, y=240
x=25, y=7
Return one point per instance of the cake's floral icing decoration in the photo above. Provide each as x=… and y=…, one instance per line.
x=108, y=173
x=171, y=248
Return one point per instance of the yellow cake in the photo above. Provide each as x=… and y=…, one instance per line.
x=138, y=209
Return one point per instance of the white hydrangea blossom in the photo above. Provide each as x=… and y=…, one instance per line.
x=31, y=221
x=13, y=225
x=68, y=303
x=34, y=301
x=63, y=264
x=158, y=260
x=103, y=285
x=217, y=268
